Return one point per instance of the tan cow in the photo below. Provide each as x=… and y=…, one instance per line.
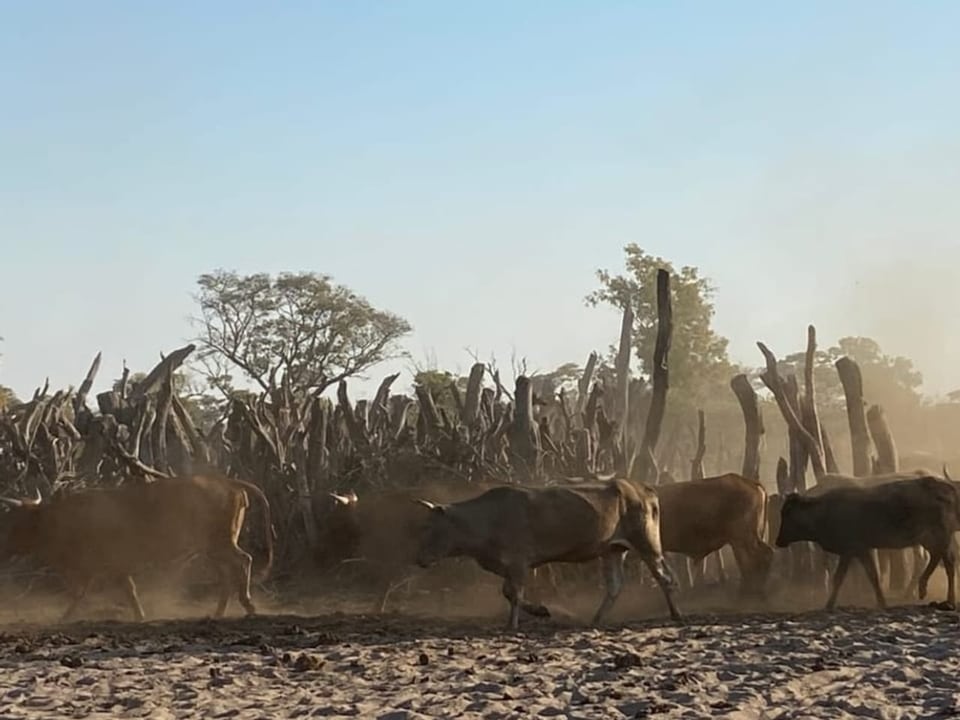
x=699, y=517
x=509, y=530
x=112, y=533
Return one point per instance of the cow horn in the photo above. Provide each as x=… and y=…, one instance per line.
x=37, y=497
x=12, y=502
x=343, y=499
x=429, y=505
x=946, y=473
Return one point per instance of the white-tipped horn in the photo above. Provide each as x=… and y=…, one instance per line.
x=341, y=499
x=37, y=497
x=428, y=505
x=12, y=502
x=946, y=473
x=352, y=496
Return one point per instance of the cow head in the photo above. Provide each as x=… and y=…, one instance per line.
x=442, y=534
x=644, y=536
x=792, y=521
x=20, y=523
x=338, y=526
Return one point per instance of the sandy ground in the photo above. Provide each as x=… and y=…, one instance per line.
x=902, y=663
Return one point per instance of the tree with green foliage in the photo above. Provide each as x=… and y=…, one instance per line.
x=698, y=357
x=887, y=379
x=8, y=398
x=300, y=330
x=439, y=383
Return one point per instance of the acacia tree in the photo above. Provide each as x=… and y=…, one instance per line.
x=698, y=359
x=300, y=330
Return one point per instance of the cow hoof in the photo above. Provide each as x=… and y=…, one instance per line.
x=539, y=611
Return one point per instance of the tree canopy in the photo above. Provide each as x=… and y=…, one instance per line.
x=297, y=329
x=698, y=357
x=886, y=379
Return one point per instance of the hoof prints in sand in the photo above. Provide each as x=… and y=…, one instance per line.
x=899, y=664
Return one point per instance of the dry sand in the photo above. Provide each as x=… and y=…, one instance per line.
x=902, y=663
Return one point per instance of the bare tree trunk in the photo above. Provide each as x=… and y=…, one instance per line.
x=828, y=455
x=696, y=465
x=524, y=441
x=585, y=383
x=893, y=562
x=887, y=459
x=799, y=457
x=809, y=406
x=753, y=423
x=623, y=376
x=471, y=405
x=771, y=378
x=852, y=382
x=643, y=469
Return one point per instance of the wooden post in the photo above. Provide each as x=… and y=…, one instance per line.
x=696, y=465
x=522, y=434
x=643, y=469
x=852, y=382
x=753, y=424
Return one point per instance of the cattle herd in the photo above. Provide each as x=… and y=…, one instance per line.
x=508, y=530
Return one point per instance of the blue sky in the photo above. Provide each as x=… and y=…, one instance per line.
x=470, y=165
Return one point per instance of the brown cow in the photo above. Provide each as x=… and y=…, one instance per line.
x=699, y=517
x=383, y=530
x=114, y=532
x=851, y=522
x=509, y=530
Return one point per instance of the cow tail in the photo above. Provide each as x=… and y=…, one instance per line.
x=264, y=571
x=764, y=526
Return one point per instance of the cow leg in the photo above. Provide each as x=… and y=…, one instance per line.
x=513, y=592
x=746, y=571
x=950, y=567
x=664, y=582
x=869, y=562
x=613, y=563
x=226, y=589
x=721, y=568
x=927, y=572
x=838, y=575
x=235, y=571
x=78, y=592
x=130, y=588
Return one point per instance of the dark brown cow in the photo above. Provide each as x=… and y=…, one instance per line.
x=113, y=533
x=383, y=530
x=852, y=522
x=904, y=565
x=699, y=517
x=510, y=530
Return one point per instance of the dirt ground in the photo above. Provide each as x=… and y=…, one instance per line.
x=444, y=653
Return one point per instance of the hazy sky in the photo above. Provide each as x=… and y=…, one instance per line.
x=469, y=166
